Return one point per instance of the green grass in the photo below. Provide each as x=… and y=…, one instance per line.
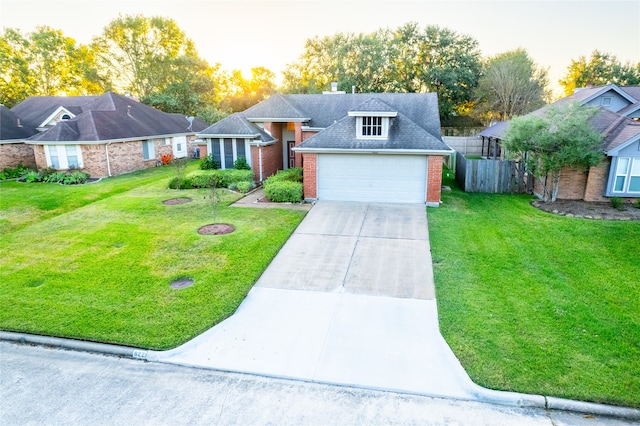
x=95, y=262
x=537, y=303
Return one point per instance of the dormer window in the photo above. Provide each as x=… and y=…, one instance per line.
x=368, y=127
x=65, y=117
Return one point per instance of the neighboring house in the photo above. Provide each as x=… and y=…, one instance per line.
x=619, y=121
x=13, y=150
x=358, y=147
x=104, y=135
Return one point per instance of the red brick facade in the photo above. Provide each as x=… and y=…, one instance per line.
x=12, y=154
x=310, y=176
x=577, y=184
x=434, y=179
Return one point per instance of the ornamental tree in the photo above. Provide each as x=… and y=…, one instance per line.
x=562, y=137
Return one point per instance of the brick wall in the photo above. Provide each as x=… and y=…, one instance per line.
x=597, y=182
x=12, y=154
x=41, y=159
x=310, y=176
x=434, y=179
x=94, y=159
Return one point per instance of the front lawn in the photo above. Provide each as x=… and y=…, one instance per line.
x=537, y=303
x=96, y=261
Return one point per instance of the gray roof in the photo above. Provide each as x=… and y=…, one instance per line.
x=35, y=109
x=113, y=117
x=237, y=126
x=495, y=130
x=12, y=127
x=403, y=134
x=324, y=110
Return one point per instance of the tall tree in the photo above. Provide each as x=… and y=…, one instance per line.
x=563, y=137
x=600, y=69
x=44, y=62
x=141, y=55
x=511, y=85
x=239, y=93
x=407, y=59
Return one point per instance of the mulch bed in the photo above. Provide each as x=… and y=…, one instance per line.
x=174, y=201
x=589, y=210
x=216, y=229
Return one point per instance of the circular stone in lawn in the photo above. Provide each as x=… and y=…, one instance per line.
x=182, y=283
x=174, y=201
x=216, y=229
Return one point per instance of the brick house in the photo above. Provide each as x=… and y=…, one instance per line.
x=618, y=175
x=357, y=147
x=103, y=135
x=13, y=132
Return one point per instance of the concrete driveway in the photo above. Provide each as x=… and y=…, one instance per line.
x=348, y=300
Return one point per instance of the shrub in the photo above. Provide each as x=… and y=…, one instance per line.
x=54, y=177
x=638, y=203
x=617, y=203
x=204, y=180
x=209, y=163
x=293, y=174
x=283, y=191
x=241, y=164
x=75, y=178
x=230, y=176
x=177, y=183
x=31, y=176
x=9, y=173
x=245, y=187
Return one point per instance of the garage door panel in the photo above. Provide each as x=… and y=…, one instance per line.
x=386, y=178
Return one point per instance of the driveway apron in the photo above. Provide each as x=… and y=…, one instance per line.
x=349, y=300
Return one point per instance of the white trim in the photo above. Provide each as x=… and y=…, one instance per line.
x=384, y=128
x=224, y=135
x=60, y=109
x=63, y=159
x=375, y=151
x=100, y=142
x=277, y=120
x=614, y=152
x=605, y=89
x=312, y=129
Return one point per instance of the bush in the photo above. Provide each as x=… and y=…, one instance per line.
x=75, y=178
x=9, y=173
x=283, y=191
x=241, y=164
x=294, y=175
x=204, y=180
x=638, y=203
x=54, y=177
x=177, y=183
x=245, y=187
x=31, y=176
x=231, y=176
x=209, y=163
x=617, y=203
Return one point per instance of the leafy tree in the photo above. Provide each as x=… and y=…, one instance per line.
x=239, y=93
x=600, y=69
x=142, y=55
x=563, y=137
x=407, y=59
x=44, y=62
x=511, y=85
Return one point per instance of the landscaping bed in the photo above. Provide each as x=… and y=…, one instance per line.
x=535, y=302
x=589, y=210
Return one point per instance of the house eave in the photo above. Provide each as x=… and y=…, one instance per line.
x=373, y=114
x=226, y=135
x=374, y=151
x=615, y=151
x=104, y=141
x=277, y=120
x=605, y=89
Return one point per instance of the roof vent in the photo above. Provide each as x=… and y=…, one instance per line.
x=18, y=122
x=129, y=110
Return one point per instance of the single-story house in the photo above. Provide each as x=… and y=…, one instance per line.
x=618, y=119
x=13, y=132
x=359, y=147
x=104, y=135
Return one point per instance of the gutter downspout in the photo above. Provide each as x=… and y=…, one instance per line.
x=260, y=160
x=106, y=150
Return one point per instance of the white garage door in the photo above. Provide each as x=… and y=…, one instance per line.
x=382, y=178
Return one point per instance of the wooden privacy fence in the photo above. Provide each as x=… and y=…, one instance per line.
x=492, y=176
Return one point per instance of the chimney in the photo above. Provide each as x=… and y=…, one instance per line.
x=334, y=86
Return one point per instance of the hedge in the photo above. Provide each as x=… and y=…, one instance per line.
x=285, y=186
x=221, y=179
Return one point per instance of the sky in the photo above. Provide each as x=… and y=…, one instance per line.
x=245, y=34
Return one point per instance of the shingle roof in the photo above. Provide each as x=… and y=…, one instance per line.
x=403, y=134
x=12, y=127
x=112, y=117
x=235, y=124
x=620, y=132
x=35, y=109
x=495, y=131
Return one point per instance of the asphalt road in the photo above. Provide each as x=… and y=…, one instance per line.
x=53, y=386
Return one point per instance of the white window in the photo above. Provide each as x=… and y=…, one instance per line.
x=64, y=157
x=372, y=127
x=166, y=141
x=627, y=178
x=148, y=150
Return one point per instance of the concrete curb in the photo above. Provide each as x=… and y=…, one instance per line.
x=489, y=396
x=76, y=345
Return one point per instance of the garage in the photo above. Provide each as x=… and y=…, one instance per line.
x=371, y=177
